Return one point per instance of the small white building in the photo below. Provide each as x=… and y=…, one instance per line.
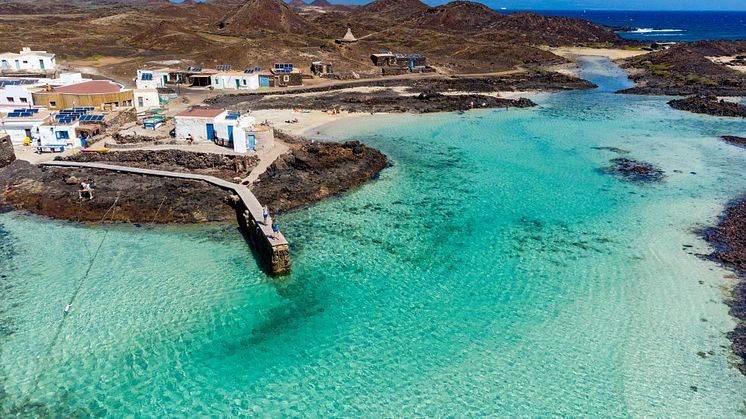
x=235, y=131
x=235, y=80
x=20, y=127
x=17, y=92
x=146, y=99
x=55, y=134
x=27, y=60
x=152, y=79
x=218, y=125
x=197, y=122
x=16, y=95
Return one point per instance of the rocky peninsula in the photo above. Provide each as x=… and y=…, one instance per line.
x=307, y=174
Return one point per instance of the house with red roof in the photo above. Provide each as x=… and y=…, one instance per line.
x=102, y=94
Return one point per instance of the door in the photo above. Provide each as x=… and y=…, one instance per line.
x=263, y=81
x=28, y=132
x=252, y=142
x=210, y=132
x=165, y=79
x=41, y=64
x=238, y=84
x=18, y=65
x=230, y=134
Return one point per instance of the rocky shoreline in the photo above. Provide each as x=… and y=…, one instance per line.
x=728, y=239
x=634, y=171
x=418, y=95
x=709, y=105
x=307, y=174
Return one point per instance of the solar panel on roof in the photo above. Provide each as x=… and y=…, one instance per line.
x=232, y=116
x=224, y=67
x=146, y=76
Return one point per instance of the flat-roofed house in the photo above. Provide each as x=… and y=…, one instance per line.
x=235, y=80
x=27, y=60
x=197, y=122
x=22, y=123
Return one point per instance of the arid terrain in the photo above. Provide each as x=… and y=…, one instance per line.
x=112, y=38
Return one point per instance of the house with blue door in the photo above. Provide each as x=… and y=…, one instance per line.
x=198, y=123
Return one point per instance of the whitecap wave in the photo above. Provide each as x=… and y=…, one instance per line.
x=651, y=30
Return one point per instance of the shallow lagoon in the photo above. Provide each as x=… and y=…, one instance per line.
x=494, y=269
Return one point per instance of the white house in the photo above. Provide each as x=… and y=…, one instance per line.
x=146, y=99
x=59, y=134
x=16, y=95
x=152, y=79
x=235, y=131
x=235, y=80
x=197, y=122
x=20, y=127
x=27, y=60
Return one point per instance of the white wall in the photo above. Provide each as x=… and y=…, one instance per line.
x=14, y=96
x=195, y=126
x=151, y=84
x=27, y=60
x=227, y=81
x=48, y=134
x=149, y=99
x=16, y=128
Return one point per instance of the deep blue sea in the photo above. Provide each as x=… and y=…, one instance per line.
x=666, y=26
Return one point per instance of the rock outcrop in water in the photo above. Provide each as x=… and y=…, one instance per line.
x=709, y=105
x=634, y=171
x=729, y=240
x=732, y=139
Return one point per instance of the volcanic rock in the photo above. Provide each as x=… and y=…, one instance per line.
x=709, y=105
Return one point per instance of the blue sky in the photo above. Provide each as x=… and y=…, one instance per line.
x=600, y=4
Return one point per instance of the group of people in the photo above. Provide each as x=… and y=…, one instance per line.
x=275, y=224
x=86, y=187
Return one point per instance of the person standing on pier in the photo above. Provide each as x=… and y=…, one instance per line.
x=275, y=230
x=265, y=214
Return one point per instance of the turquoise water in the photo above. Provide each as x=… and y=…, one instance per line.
x=494, y=269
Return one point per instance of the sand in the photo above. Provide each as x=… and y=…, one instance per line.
x=610, y=53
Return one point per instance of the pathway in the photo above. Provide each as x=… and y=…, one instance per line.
x=248, y=198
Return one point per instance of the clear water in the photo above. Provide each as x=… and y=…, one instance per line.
x=493, y=270
x=667, y=26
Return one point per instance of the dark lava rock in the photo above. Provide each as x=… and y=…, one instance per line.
x=729, y=240
x=311, y=172
x=224, y=166
x=709, y=105
x=7, y=154
x=634, y=170
x=732, y=139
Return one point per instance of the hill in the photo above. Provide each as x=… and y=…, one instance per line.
x=271, y=15
x=458, y=16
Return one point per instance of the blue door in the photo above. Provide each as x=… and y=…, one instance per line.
x=263, y=81
x=210, y=132
x=252, y=142
x=230, y=134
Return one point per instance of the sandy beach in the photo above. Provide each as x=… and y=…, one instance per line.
x=610, y=53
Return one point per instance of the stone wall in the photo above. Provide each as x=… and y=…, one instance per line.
x=7, y=154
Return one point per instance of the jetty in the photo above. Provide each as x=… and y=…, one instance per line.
x=274, y=253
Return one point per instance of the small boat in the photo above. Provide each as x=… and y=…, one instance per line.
x=95, y=150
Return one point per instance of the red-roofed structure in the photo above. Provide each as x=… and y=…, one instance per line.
x=200, y=113
x=90, y=88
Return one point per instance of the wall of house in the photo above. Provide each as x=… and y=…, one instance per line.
x=229, y=82
x=49, y=134
x=146, y=99
x=27, y=62
x=65, y=100
x=17, y=129
x=195, y=126
x=18, y=96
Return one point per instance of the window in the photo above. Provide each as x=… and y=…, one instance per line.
x=24, y=100
x=52, y=104
x=62, y=135
x=10, y=99
x=25, y=62
x=140, y=102
x=244, y=82
x=286, y=78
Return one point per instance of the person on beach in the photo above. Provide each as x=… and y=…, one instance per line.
x=265, y=214
x=189, y=139
x=275, y=229
x=85, y=187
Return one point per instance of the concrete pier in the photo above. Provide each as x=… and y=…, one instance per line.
x=274, y=253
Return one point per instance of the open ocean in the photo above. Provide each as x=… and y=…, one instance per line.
x=494, y=270
x=666, y=26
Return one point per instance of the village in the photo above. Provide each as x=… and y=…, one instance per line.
x=45, y=109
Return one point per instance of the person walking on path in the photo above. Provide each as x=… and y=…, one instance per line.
x=265, y=214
